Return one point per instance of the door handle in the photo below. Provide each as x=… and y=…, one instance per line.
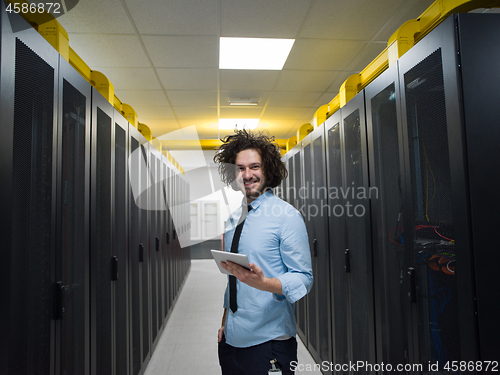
x=141, y=253
x=114, y=268
x=347, y=261
x=60, y=291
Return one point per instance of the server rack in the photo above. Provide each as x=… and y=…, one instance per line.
x=146, y=252
x=154, y=244
x=103, y=267
x=72, y=250
x=477, y=34
x=337, y=240
x=444, y=144
x=120, y=258
x=385, y=152
x=28, y=199
x=358, y=240
x=136, y=252
x=166, y=241
x=312, y=324
x=318, y=215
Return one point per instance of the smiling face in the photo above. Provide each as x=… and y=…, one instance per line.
x=250, y=177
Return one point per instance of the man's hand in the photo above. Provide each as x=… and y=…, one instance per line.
x=220, y=333
x=253, y=277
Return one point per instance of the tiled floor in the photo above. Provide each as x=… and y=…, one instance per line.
x=188, y=344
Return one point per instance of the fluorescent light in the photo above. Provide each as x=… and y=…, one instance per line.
x=242, y=101
x=240, y=123
x=254, y=53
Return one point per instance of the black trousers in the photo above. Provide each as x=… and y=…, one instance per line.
x=256, y=360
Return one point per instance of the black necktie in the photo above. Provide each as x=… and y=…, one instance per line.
x=233, y=305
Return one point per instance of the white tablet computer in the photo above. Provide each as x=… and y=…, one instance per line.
x=222, y=256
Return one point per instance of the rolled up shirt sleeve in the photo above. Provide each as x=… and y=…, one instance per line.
x=296, y=256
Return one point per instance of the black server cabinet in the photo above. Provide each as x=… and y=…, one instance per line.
x=296, y=200
x=28, y=104
x=358, y=253
x=293, y=184
x=72, y=250
x=161, y=241
x=478, y=34
x=28, y=187
x=153, y=241
x=318, y=214
x=144, y=214
x=120, y=258
x=312, y=324
x=447, y=117
x=337, y=241
x=166, y=240
x=137, y=267
x=156, y=208
x=169, y=238
x=101, y=234
x=109, y=296
x=350, y=251
x=385, y=153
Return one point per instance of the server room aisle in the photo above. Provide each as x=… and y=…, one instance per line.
x=188, y=344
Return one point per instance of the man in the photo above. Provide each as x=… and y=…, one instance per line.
x=258, y=324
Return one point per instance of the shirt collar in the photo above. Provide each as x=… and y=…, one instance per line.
x=257, y=202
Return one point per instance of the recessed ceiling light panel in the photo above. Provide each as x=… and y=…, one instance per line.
x=239, y=123
x=254, y=53
x=244, y=101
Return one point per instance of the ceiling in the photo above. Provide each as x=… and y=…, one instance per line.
x=162, y=55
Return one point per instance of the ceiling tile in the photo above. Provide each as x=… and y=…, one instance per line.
x=188, y=79
x=194, y=112
x=102, y=50
x=95, y=16
x=305, y=80
x=229, y=112
x=206, y=129
x=149, y=112
x=262, y=18
x=261, y=96
x=248, y=79
x=174, y=17
x=323, y=99
x=192, y=98
x=350, y=20
x=142, y=98
x=133, y=78
x=366, y=56
x=182, y=51
x=161, y=127
x=293, y=99
x=283, y=113
x=321, y=54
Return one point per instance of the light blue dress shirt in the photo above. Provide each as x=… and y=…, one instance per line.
x=274, y=237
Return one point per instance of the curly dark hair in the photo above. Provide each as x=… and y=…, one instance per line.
x=272, y=166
